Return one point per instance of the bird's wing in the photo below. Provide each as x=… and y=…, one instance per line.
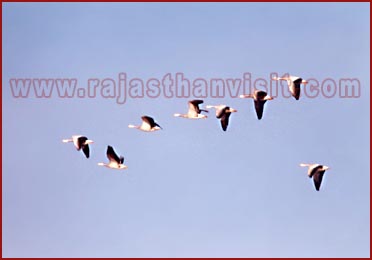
x=296, y=88
x=80, y=142
x=294, y=78
x=221, y=111
x=313, y=169
x=297, y=81
x=111, y=155
x=194, y=106
x=149, y=120
x=260, y=94
x=196, y=102
x=225, y=121
x=121, y=159
x=259, y=106
x=86, y=150
x=317, y=177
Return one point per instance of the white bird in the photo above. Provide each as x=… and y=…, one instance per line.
x=194, y=110
x=294, y=84
x=260, y=97
x=223, y=113
x=148, y=125
x=315, y=171
x=80, y=142
x=115, y=162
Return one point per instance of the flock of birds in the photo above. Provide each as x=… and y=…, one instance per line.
x=223, y=112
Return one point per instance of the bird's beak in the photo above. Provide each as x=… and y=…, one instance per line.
x=233, y=110
x=304, y=82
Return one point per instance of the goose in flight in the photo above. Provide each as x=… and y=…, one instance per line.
x=148, y=125
x=315, y=171
x=194, y=110
x=260, y=97
x=223, y=113
x=80, y=142
x=294, y=84
x=115, y=162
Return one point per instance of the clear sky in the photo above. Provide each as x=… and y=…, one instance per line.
x=191, y=190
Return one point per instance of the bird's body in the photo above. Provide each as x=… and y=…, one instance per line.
x=80, y=142
x=260, y=97
x=148, y=125
x=223, y=113
x=315, y=171
x=194, y=111
x=294, y=85
x=115, y=162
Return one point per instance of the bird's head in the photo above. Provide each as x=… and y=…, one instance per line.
x=232, y=110
x=304, y=82
x=326, y=168
x=89, y=141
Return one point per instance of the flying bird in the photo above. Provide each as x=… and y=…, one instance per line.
x=223, y=113
x=294, y=84
x=81, y=143
x=148, y=125
x=115, y=162
x=194, y=110
x=260, y=97
x=315, y=171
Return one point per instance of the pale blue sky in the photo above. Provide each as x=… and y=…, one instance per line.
x=191, y=190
